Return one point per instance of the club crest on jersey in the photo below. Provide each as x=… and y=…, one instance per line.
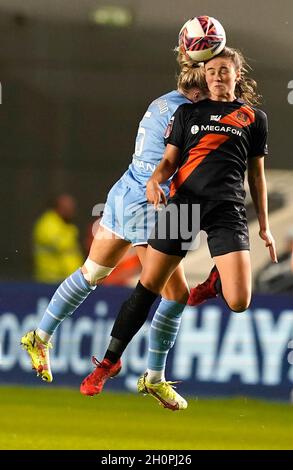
x=215, y=117
x=169, y=128
x=241, y=116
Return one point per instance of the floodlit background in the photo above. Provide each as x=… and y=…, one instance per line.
x=76, y=77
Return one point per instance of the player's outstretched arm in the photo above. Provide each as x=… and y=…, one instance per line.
x=258, y=191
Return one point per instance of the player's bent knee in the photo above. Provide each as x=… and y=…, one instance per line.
x=95, y=272
x=239, y=305
x=152, y=286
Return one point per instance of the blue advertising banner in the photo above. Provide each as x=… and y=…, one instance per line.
x=217, y=352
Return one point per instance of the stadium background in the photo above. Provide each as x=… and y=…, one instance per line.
x=72, y=95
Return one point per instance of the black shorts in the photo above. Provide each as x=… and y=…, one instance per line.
x=225, y=223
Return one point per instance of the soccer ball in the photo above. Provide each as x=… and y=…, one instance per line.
x=201, y=38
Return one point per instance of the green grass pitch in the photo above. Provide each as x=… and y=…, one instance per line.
x=53, y=418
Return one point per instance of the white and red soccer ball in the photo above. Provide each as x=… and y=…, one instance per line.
x=201, y=38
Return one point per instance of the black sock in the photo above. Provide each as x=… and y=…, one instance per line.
x=130, y=319
x=115, y=350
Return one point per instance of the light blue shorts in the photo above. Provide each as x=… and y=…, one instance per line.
x=127, y=213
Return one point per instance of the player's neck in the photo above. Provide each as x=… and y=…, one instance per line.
x=225, y=97
x=192, y=95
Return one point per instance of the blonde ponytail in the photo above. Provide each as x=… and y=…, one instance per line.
x=191, y=74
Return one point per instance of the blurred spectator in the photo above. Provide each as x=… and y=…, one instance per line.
x=278, y=278
x=56, y=248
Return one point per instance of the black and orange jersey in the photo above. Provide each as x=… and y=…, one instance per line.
x=216, y=138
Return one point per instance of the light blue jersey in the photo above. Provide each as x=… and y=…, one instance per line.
x=149, y=143
x=127, y=213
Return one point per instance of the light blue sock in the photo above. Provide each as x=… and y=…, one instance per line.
x=164, y=328
x=69, y=295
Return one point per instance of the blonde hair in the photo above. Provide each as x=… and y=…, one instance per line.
x=191, y=74
x=184, y=60
x=246, y=87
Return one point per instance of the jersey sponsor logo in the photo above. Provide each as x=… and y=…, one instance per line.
x=147, y=114
x=216, y=128
x=194, y=129
x=215, y=117
x=169, y=128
